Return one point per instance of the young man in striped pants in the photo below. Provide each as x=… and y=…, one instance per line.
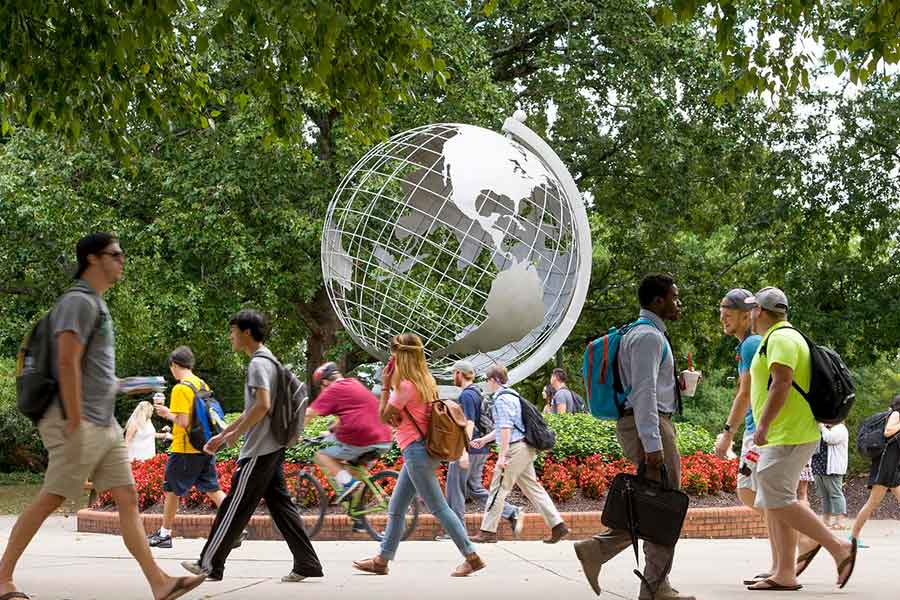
x=260, y=471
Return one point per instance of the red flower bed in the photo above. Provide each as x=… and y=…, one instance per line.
x=701, y=474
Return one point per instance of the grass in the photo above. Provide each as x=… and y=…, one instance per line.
x=17, y=490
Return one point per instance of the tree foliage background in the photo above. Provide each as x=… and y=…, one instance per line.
x=210, y=138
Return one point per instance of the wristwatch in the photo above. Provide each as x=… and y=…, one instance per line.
x=727, y=427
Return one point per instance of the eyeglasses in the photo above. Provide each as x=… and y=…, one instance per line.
x=118, y=255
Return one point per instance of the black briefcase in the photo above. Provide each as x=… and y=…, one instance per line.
x=648, y=509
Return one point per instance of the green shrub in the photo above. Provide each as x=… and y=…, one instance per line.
x=21, y=449
x=582, y=435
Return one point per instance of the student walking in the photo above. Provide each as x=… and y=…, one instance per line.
x=884, y=473
x=787, y=436
x=465, y=476
x=187, y=467
x=829, y=465
x=79, y=428
x=406, y=395
x=260, y=469
x=515, y=462
x=645, y=431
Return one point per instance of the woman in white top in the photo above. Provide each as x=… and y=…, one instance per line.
x=829, y=465
x=140, y=434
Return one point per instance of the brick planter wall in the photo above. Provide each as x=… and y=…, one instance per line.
x=730, y=522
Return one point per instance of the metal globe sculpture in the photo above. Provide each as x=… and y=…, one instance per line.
x=476, y=241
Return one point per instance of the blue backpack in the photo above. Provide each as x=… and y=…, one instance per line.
x=600, y=368
x=207, y=418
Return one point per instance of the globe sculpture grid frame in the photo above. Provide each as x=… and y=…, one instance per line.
x=412, y=237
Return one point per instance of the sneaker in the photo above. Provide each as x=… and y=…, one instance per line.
x=195, y=568
x=359, y=526
x=517, y=522
x=156, y=540
x=442, y=538
x=348, y=490
x=241, y=539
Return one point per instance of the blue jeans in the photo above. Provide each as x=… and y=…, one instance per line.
x=468, y=482
x=417, y=477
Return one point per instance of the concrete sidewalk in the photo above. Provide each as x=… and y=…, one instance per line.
x=62, y=564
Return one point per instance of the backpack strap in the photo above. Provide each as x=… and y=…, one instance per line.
x=87, y=344
x=762, y=352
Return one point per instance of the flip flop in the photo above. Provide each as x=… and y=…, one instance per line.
x=183, y=585
x=806, y=558
x=758, y=577
x=851, y=560
x=774, y=586
x=11, y=595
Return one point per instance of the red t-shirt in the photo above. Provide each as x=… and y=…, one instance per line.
x=357, y=408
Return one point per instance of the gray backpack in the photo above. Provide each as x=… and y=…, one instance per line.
x=36, y=386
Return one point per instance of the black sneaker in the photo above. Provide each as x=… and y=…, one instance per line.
x=359, y=526
x=159, y=541
x=195, y=568
x=244, y=535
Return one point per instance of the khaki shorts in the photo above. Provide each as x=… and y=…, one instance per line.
x=778, y=473
x=95, y=452
x=747, y=482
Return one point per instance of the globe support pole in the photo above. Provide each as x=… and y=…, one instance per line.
x=516, y=128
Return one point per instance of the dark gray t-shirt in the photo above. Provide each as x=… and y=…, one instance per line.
x=77, y=311
x=563, y=396
x=261, y=374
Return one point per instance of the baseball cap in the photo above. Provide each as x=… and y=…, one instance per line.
x=770, y=298
x=737, y=299
x=465, y=367
x=327, y=371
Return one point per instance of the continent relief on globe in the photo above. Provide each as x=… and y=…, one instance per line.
x=514, y=306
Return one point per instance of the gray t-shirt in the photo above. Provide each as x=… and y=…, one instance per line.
x=261, y=374
x=76, y=311
x=563, y=396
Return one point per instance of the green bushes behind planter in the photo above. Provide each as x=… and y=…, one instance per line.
x=577, y=435
x=21, y=449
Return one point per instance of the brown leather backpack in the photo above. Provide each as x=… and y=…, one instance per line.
x=446, y=438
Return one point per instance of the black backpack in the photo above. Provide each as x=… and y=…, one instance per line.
x=537, y=434
x=870, y=440
x=288, y=405
x=831, y=391
x=578, y=403
x=36, y=386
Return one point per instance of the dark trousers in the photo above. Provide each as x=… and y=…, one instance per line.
x=259, y=478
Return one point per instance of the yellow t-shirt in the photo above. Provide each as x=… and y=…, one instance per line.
x=795, y=423
x=182, y=402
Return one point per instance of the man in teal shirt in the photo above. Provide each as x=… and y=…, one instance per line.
x=787, y=436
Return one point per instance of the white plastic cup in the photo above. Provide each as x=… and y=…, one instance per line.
x=690, y=380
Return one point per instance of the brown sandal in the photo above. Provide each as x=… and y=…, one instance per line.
x=376, y=565
x=473, y=563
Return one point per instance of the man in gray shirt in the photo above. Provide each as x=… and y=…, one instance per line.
x=645, y=431
x=563, y=400
x=260, y=471
x=79, y=429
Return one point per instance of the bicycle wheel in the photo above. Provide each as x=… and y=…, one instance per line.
x=312, y=501
x=373, y=506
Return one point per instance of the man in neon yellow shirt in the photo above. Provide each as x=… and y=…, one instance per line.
x=787, y=435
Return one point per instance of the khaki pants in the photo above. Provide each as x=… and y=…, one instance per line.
x=519, y=471
x=607, y=545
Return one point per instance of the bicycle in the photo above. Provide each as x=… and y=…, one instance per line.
x=367, y=506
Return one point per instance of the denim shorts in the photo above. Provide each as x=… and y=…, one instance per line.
x=184, y=471
x=341, y=451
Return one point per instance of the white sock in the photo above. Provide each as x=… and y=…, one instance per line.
x=163, y=532
x=343, y=477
